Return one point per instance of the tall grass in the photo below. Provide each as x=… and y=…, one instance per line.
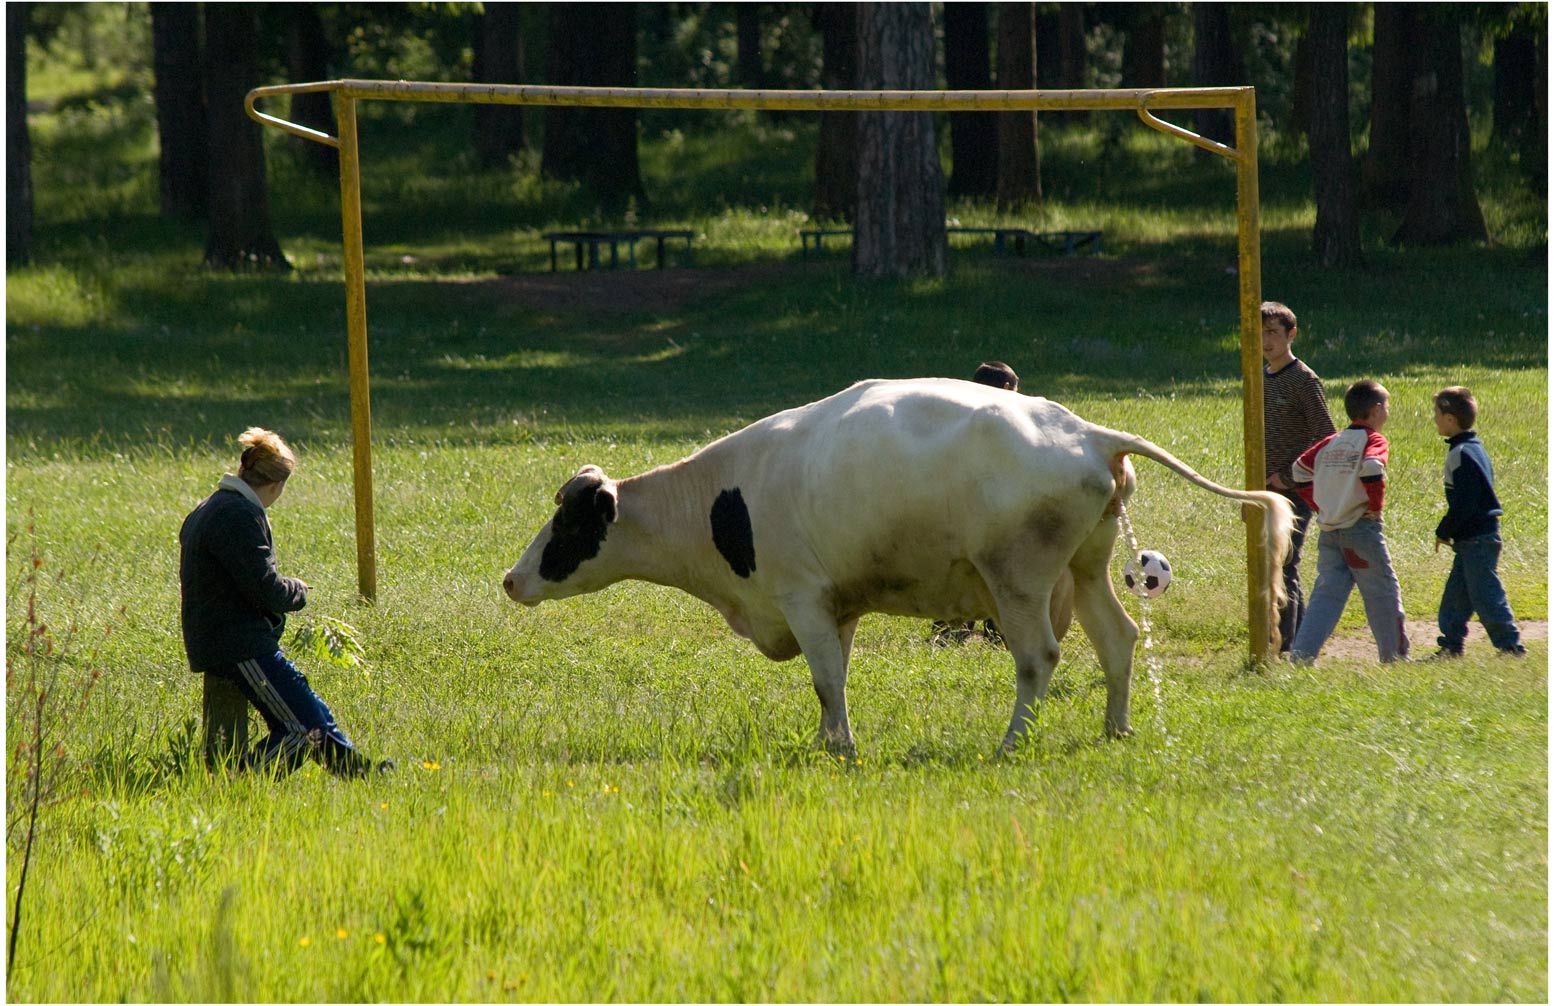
x=611, y=797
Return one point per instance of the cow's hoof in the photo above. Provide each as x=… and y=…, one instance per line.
x=842, y=748
x=1114, y=732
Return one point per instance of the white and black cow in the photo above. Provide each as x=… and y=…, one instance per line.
x=932, y=498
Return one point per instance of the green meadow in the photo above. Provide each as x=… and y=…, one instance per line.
x=611, y=797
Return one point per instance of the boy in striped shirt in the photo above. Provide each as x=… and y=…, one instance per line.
x=1295, y=416
x=1343, y=479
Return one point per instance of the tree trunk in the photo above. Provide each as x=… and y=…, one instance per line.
x=1336, y=237
x=1071, y=56
x=1384, y=169
x=1143, y=53
x=499, y=60
x=1516, y=82
x=1019, y=159
x=973, y=135
x=1049, y=48
x=900, y=224
x=1214, y=64
x=747, y=41
x=836, y=153
x=240, y=236
x=1301, y=87
x=179, y=92
x=1442, y=206
x=308, y=58
x=18, y=142
x=594, y=45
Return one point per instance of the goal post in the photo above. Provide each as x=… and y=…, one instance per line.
x=1145, y=102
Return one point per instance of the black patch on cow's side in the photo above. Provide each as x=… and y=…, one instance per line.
x=1049, y=522
x=731, y=532
x=576, y=532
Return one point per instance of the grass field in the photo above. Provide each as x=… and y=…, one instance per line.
x=611, y=797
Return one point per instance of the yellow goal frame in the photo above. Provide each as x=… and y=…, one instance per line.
x=1242, y=101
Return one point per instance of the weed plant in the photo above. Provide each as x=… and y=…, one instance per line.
x=613, y=798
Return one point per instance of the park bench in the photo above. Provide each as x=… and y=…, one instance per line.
x=818, y=235
x=586, y=245
x=1068, y=242
x=1014, y=236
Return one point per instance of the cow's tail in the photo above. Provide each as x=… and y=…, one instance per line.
x=1278, y=515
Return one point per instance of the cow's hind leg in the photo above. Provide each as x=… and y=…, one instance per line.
x=827, y=647
x=1025, y=619
x=1112, y=633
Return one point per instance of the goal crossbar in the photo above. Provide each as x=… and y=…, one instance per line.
x=1144, y=102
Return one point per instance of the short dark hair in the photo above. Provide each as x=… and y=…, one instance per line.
x=1362, y=397
x=1275, y=311
x=1458, y=402
x=998, y=375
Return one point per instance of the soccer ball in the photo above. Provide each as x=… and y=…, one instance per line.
x=1148, y=574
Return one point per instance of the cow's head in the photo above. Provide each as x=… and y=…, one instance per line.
x=563, y=559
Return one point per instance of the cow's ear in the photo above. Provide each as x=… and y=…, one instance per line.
x=586, y=477
x=608, y=502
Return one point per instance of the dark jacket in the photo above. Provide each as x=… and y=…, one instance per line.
x=1472, y=508
x=234, y=599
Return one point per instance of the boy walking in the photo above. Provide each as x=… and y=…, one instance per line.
x=1295, y=416
x=1343, y=479
x=1471, y=528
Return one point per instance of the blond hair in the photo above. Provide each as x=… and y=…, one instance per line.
x=266, y=458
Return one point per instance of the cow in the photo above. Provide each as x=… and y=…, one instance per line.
x=932, y=498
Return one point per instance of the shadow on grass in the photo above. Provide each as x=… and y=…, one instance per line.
x=192, y=356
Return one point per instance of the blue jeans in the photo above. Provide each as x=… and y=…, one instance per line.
x=1294, y=607
x=300, y=724
x=1347, y=558
x=1472, y=587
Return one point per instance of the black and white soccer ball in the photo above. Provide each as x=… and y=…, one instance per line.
x=1147, y=574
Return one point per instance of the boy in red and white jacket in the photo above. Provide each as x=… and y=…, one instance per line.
x=1343, y=478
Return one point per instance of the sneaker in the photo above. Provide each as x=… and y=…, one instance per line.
x=1513, y=651
x=1444, y=654
x=386, y=766
x=950, y=633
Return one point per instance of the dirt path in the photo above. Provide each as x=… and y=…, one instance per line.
x=1358, y=644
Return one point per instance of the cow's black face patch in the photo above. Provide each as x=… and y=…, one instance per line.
x=731, y=532
x=576, y=532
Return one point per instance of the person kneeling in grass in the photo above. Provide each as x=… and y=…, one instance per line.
x=234, y=604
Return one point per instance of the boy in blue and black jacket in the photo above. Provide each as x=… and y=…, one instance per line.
x=1471, y=528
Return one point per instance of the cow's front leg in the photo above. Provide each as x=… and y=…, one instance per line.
x=826, y=649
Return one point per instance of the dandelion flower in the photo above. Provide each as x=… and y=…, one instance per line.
x=341, y=934
x=305, y=941
x=379, y=938
x=431, y=766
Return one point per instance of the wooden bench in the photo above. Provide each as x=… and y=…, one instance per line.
x=818, y=235
x=1016, y=236
x=1004, y=238
x=1070, y=242
x=586, y=245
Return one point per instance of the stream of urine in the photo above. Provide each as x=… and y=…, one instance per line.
x=1151, y=658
